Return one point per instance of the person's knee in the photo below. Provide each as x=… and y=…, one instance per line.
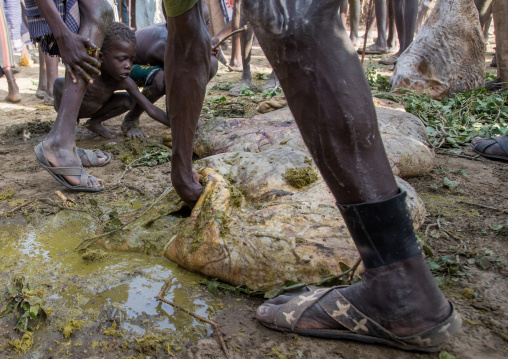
x=158, y=86
x=96, y=15
x=128, y=103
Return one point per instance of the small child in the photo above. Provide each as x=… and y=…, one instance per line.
x=101, y=101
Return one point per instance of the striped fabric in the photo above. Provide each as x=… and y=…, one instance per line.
x=6, y=58
x=39, y=29
x=12, y=10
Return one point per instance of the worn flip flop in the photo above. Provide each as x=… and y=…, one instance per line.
x=92, y=157
x=480, y=147
x=358, y=326
x=58, y=173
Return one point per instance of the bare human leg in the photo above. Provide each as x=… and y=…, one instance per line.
x=43, y=79
x=354, y=21
x=13, y=90
x=188, y=48
x=338, y=124
x=51, y=63
x=236, y=52
x=60, y=144
x=118, y=104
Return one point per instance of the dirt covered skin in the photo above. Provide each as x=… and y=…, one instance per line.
x=87, y=300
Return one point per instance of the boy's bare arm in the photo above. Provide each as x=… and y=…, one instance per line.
x=153, y=111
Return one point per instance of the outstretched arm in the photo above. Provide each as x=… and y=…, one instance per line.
x=73, y=47
x=153, y=111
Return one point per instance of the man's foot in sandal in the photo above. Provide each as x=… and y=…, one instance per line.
x=65, y=167
x=495, y=148
x=397, y=305
x=93, y=158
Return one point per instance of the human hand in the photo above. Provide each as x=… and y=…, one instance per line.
x=79, y=56
x=216, y=50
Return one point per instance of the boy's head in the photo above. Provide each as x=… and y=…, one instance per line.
x=118, y=51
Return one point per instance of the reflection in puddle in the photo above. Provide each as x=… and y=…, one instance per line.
x=79, y=289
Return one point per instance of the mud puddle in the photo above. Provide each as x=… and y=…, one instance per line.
x=108, y=300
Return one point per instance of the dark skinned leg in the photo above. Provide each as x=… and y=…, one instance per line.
x=354, y=20
x=343, y=6
x=130, y=124
x=60, y=143
x=338, y=124
x=57, y=92
x=406, y=12
x=118, y=104
x=13, y=90
x=51, y=63
x=236, y=50
x=381, y=24
x=188, y=49
x=246, y=40
x=43, y=78
x=390, y=41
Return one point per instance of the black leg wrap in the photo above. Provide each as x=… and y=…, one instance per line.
x=382, y=231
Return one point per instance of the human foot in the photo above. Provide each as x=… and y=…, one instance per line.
x=14, y=95
x=401, y=297
x=93, y=158
x=100, y=129
x=244, y=84
x=493, y=148
x=65, y=166
x=130, y=127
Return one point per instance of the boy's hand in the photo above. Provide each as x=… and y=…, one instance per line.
x=77, y=54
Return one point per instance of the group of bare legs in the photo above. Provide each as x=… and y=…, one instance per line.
x=329, y=97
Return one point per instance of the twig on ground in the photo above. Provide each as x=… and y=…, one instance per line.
x=87, y=242
x=484, y=206
x=198, y=317
x=16, y=208
x=53, y=203
x=129, y=166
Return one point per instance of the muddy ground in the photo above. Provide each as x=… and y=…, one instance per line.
x=466, y=233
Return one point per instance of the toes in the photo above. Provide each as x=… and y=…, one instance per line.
x=267, y=312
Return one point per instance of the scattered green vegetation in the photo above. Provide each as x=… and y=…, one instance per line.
x=153, y=157
x=223, y=86
x=262, y=76
x=273, y=92
x=25, y=301
x=7, y=194
x=245, y=91
x=452, y=121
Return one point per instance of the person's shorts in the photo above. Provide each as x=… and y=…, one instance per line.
x=143, y=75
x=178, y=7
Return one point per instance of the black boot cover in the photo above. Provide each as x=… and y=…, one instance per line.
x=382, y=231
